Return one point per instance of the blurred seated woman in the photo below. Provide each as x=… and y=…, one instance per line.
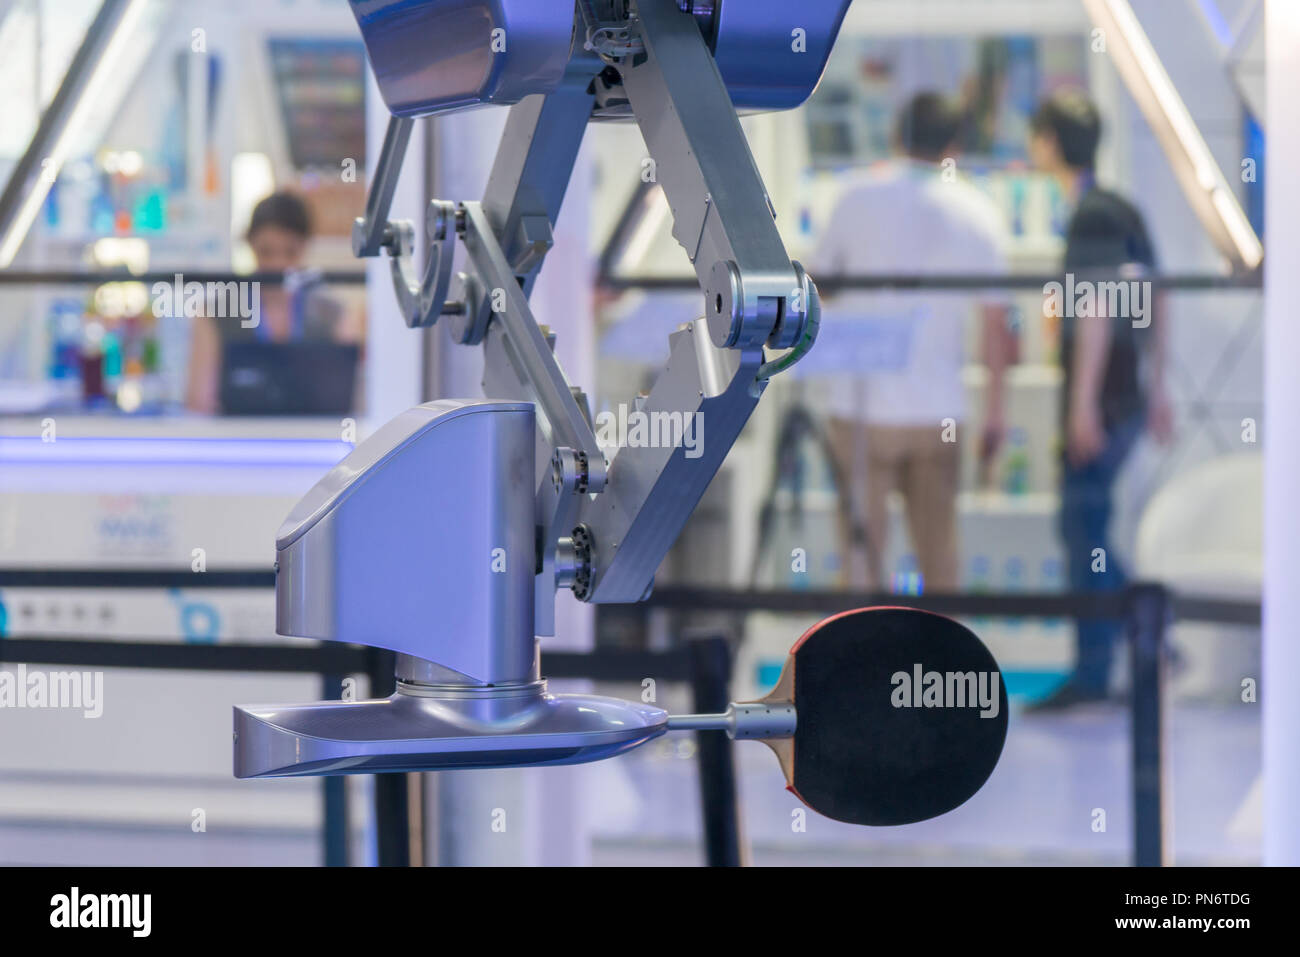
x=278, y=233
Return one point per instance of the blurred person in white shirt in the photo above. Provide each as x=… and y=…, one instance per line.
x=895, y=401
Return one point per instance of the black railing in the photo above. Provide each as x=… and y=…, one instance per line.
x=1147, y=609
x=98, y=277
x=829, y=285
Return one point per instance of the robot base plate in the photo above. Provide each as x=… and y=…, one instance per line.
x=409, y=732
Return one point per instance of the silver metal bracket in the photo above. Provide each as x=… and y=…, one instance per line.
x=610, y=33
x=562, y=565
x=421, y=299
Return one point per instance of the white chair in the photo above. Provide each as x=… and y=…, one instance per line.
x=1202, y=533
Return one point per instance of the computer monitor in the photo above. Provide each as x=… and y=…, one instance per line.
x=288, y=378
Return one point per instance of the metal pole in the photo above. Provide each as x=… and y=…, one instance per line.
x=334, y=833
x=1148, y=615
x=392, y=822
x=710, y=674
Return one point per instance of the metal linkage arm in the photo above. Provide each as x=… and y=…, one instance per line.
x=422, y=299
x=722, y=215
x=754, y=296
x=369, y=233
x=524, y=348
x=694, y=413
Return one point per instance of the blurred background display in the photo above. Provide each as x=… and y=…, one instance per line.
x=182, y=310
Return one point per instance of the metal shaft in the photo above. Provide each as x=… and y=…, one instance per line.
x=750, y=719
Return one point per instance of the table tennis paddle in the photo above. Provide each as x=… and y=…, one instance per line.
x=899, y=715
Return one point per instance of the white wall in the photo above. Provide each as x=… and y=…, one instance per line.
x=1282, y=456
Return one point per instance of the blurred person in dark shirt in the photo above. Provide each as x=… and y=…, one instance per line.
x=1113, y=370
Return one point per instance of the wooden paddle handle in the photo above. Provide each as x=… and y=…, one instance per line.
x=783, y=696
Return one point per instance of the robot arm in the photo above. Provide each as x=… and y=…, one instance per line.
x=445, y=535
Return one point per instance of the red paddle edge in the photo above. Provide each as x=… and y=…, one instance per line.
x=821, y=624
x=853, y=611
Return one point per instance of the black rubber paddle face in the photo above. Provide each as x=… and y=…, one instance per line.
x=901, y=716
